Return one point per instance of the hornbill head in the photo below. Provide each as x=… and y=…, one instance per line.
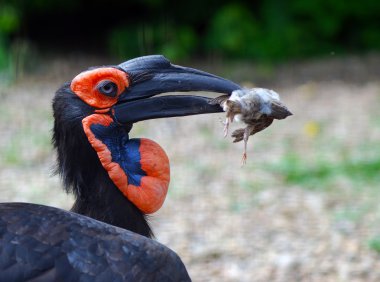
x=97, y=109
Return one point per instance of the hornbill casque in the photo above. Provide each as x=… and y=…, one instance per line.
x=116, y=180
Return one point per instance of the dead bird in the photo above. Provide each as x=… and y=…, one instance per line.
x=256, y=107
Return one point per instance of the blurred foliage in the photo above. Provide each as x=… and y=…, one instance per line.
x=9, y=23
x=269, y=31
x=233, y=32
x=374, y=244
x=132, y=41
x=322, y=173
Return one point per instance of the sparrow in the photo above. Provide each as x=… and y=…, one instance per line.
x=256, y=108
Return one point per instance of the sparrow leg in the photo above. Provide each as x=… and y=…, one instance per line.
x=226, y=125
x=229, y=120
x=245, y=139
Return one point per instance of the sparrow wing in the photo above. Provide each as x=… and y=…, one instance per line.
x=255, y=127
x=279, y=110
x=219, y=100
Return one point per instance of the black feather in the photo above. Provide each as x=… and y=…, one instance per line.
x=48, y=244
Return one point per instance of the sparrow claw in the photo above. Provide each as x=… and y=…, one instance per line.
x=245, y=138
x=244, y=159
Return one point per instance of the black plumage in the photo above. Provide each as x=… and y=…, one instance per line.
x=40, y=243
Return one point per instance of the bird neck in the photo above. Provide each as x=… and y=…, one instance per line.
x=110, y=206
x=96, y=196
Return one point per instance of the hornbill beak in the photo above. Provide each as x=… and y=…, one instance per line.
x=153, y=75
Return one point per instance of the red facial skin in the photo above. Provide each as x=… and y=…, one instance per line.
x=151, y=193
x=85, y=86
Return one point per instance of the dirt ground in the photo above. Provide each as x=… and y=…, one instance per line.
x=303, y=208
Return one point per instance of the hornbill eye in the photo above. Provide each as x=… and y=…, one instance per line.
x=108, y=88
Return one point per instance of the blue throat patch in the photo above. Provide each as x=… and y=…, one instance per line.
x=124, y=151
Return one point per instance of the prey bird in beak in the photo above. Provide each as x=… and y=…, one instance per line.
x=256, y=107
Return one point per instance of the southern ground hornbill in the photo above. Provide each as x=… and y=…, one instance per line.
x=116, y=180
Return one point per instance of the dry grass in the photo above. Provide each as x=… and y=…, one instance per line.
x=304, y=208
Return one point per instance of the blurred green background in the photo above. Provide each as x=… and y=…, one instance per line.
x=267, y=31
x=304, y=208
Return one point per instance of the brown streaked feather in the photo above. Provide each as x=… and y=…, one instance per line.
x=262, y=123
x=279, y=110
x=219, y=100
x=234, y=108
